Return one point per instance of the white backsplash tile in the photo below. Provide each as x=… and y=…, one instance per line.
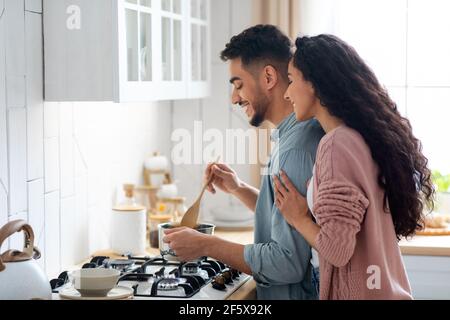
x=33, y=5
x=15, y=53
x=68, y=232
x=15, y=91
x=3, y=127
x=67, y=178
x=80, y=163
x=15, y=37
x=82, y=219
x=17, y=160
x=34, y=58
x=65, y=119
x=36, y=212
x=35, y=145
x=3, y=215
x=36, y=215
x=51, y=119
x=52, y=235
x=81, y=137
x=51, y=161
x=4, y=181
x=66, y=148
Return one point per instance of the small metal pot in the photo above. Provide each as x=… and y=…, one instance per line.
x=164, y=249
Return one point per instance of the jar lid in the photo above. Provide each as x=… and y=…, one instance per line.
x=129, y=208
x=160, y=217
x=173, y=199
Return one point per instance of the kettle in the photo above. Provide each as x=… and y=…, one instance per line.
x=21, y=278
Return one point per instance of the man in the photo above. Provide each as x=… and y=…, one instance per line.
x=279, y=260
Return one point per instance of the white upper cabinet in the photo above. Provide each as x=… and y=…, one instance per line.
x=126, y=50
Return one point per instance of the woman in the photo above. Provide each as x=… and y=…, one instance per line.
x=370, y=182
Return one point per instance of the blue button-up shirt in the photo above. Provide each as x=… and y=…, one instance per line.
x=280, y=256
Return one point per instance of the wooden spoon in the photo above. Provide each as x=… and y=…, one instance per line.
x=191, y=216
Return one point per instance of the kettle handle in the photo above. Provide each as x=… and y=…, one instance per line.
x=29, y=251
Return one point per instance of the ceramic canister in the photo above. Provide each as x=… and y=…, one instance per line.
x=129, y=228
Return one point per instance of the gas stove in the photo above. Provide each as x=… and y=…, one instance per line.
x=158, y=278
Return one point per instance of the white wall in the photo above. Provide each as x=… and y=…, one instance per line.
x=60, y=162
x=228, y=18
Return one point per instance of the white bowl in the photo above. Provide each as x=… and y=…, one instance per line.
x=94, y=282
x=232, y=213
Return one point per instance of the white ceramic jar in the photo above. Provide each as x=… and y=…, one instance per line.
x=129, y=229
x=169, y=190
x=156, y=162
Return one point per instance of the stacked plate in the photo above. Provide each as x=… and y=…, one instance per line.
x=116, y=293
x=233, y=216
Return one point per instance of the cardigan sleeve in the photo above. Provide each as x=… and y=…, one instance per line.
x=340, y=204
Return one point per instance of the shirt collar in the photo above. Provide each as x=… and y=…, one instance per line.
x=284, y=126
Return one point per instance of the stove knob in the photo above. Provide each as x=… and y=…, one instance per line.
x=227, y=276
x=219, y=283
x=235, y=273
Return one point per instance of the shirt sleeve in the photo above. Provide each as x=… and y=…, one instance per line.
x=285, y=259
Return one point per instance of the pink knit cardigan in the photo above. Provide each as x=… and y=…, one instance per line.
x=358, y=251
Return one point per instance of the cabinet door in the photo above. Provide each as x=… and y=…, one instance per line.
x=78, y=51
x=173, y=47
x=172, y=40
x=200, y=61
x=151, y=48
x=126, y=50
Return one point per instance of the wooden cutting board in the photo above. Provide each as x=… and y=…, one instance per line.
x=434, y=232
x=436, y=226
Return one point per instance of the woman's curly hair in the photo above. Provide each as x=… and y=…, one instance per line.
x=350, y=91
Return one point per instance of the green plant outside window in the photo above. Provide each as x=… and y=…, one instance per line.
x=441, y=181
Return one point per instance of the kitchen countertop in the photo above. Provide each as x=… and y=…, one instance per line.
x=419, y=245
x=426, y=246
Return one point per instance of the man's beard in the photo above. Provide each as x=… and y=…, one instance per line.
x=261, y=106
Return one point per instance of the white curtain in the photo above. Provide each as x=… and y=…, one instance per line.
x=283, y=13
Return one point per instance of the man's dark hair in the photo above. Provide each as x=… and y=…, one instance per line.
x=260, y=44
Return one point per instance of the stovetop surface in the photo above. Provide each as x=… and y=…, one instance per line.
x=158, y=278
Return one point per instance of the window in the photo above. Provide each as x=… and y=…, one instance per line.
x=406, y=43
